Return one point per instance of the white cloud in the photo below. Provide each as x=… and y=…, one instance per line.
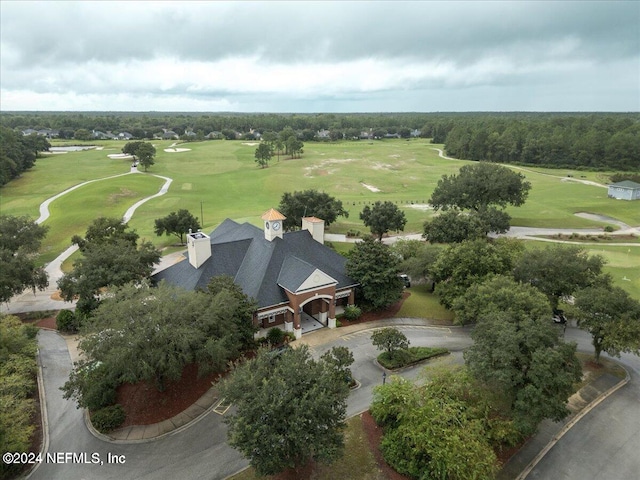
x=332, y=55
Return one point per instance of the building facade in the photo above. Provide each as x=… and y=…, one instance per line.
x=291, y=275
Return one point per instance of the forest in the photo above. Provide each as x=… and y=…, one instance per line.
x=593, y=141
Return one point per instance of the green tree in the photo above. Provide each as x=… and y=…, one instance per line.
x=289, y=409
x=18, y=369
x=294, y=147
x=382, y=217
x=390, y=339
x=145, y=154
x=611, y=317
x=263, y=154
x=374, y=266
x=177, y=223
x=416, y=257
x=480, y=188
x=309, y=203
x=453, y=226
x=82, y=134
x=516, y=349
x=20, y=239
x=560, y=270
x=461, y=265
x=110, y=257
x=239, y=310
x=434, y=431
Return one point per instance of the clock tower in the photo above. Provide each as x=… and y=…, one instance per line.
x=272, y=224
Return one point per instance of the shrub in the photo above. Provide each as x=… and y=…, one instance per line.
x=108, y=418
x=608, y=228
x=352, y=312
x=275, y=336
x=66, y=321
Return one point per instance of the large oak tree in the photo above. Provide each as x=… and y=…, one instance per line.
x=289, y=409
x=310, y=203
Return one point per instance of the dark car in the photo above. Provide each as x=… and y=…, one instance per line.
x=558, y=317
x=405, y=280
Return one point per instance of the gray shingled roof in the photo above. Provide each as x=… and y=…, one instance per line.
x=626, y=184
x=257, y=265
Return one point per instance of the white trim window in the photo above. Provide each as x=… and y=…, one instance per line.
x=272, y=318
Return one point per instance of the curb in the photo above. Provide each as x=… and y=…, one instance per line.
x=44, y=446
x=597, y=401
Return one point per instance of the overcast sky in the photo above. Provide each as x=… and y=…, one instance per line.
x=320, y=57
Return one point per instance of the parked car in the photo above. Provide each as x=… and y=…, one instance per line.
x=405, y=280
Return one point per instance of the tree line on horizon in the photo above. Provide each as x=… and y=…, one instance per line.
x=593, y=141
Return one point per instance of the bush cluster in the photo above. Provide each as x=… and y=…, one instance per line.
x=109, y=418
x=352, y=312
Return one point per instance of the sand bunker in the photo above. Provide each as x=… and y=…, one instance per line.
x=177, y=150
x=421, y=206
x=53, y=153
x=250, y=144
x=370, y=187
x=121, y=156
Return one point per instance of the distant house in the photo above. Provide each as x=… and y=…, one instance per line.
x=98, y=135
x=415, y=133
x=625, y=190
x=45, y=132
x=214, y=135
x=296, y=280
x=124, y=136
x=170, y=135
x=323, y=134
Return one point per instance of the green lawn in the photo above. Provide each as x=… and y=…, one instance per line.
x=424, y=304
x=221, y=180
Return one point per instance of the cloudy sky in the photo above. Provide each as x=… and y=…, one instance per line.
x=325, y=56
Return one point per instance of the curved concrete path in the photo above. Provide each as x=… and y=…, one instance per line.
x=41, y=300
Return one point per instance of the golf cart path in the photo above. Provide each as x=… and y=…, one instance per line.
x=42, y=300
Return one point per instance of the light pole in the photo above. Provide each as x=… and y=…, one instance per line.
x=384, y=377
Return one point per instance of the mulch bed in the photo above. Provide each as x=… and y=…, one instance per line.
x=388, y=312
x=145, y=405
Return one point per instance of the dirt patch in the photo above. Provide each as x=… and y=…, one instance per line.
x=370, y=187
x=116, y=197
x=49, y=322
x=145, y=405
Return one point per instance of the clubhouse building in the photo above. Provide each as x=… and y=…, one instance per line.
x=296, y=280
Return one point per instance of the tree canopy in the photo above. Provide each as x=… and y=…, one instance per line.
x=440, y=429
x=461, y=265
x=143, y=152
x=517, y=350
x=309, y=203
x=559, y=270
x=150, y=334
x=263, y=154
x=480, y=185
x=18, y=153
x=111, y=257
x=612, y=318
x=20, y=239
x=389, y=339
x=177, y=223
x=383, y=217
x=374, y=266
x=290, y=409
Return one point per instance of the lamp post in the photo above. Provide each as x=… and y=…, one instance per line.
x=384, y=378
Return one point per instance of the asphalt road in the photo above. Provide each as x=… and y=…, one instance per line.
x=199, y=451
x=603, y=444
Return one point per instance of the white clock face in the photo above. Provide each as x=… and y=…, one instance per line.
x=276, y=226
